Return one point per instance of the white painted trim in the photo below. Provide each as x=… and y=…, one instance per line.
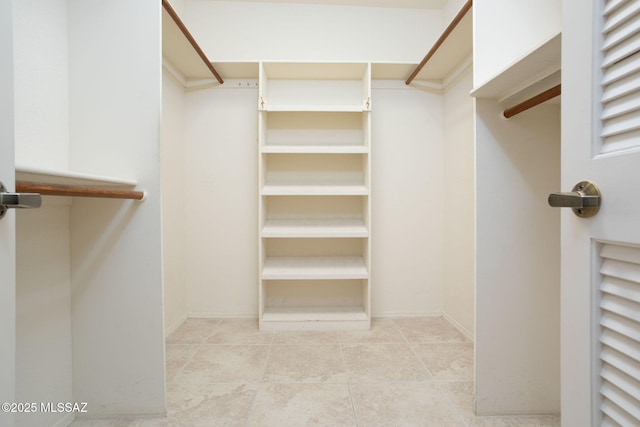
x=404, y=314
x=168, y=331
x=427, y=85
x=459, y=327
x=214, y=315
x=173, y=72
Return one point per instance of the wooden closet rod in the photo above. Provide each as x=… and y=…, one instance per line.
x=76, y=191
x=187, y=34
x=532, y=102
x=456, y=20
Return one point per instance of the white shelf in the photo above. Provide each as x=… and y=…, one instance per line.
x=456, y=48
x=339, y=227
x=312, y=268
x=329, y=318
x=341, y=313
x=536, y=65
x=316, y=108
x=315, y=149
x=60, y=177
x=314, y=190
x=180, y=53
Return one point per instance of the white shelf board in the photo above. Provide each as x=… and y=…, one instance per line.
x=60, y=177
x=456, y=48
x=316, y=108
x=538, y=64
x=315, y=149
x=314, y=268
x=315, y=70
x=315, y=313
x=276, y=319
x=392, y=70
x=314, y=190
x=238, y=70
x=179, y=52
x=303, y=228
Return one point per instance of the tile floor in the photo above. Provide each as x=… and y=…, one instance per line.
x=404, y=372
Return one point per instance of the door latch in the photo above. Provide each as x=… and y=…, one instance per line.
x=584, y=200
x=17, y=200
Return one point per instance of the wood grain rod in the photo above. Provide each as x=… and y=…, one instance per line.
x=187, y=34
x=532, y=102
x=452, y=25
x=76, y=191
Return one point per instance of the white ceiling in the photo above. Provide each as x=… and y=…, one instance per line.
x=406, y=4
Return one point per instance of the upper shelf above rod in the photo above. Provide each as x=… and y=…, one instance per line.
x=182, y=49
x=454, y=56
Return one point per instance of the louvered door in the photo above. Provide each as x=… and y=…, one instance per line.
x=619, y=352
x=600, y=291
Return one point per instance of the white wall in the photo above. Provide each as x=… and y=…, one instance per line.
x=459, y=203
x=173, y=206
x=7, y=224
x=41, y=83
x=504, y=31
x=221, y=202
x=451, y=9
x=518, y=261
x=115, y=111
x=233, y=31
x=407, y=202
x=43, y=301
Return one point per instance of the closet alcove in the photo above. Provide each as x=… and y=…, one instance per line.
x=455, y=224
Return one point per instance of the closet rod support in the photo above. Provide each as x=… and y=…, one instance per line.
x=532, y=102
x=452, y=25
x=77, y=191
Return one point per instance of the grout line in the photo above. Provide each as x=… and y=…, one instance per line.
x=347, y=372
x=451, y=404
x=260, y=383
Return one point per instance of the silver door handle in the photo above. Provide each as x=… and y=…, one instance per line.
x=17, y=200
x=584, y=200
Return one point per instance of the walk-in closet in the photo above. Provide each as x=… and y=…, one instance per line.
x=269, y=182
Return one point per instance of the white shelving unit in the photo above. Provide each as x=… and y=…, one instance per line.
x=314, y=207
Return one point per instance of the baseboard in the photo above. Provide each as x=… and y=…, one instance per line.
x=214, y=315
x=401, y=314
x=168, y=331
x=459, y=327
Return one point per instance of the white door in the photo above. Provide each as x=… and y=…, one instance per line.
x=601, y=255
x=7, y=224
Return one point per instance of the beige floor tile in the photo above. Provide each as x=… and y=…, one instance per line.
x=305, y=337
x=447, y=361
x=429, y=329
x=294, y=405
x=105, y=423
x=460, y=393
x=403, y=405
x=209, y=405
x=193, y=331
x=225, y=363
x=239, y=331
x=382, y=331
x=177, y=356
x=383, y=362
x=305, y=363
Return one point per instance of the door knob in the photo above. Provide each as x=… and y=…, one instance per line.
x=17, y=200
x=584, y=200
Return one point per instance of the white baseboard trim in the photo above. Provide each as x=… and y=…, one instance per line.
x=214, y=315
x=169, y=330
x=401, y=314
x=459, y=327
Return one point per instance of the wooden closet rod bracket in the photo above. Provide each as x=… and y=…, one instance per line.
x=532, y=102
x=76, y=191
x=456, y=20
x=187, y=34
